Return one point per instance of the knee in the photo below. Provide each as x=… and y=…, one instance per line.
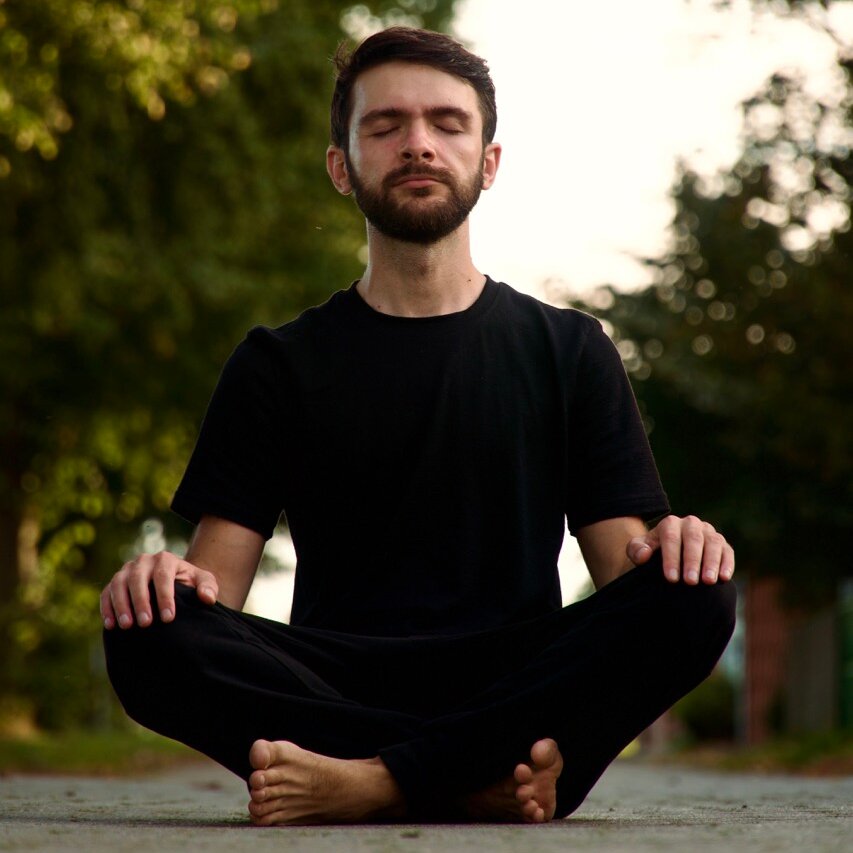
x=706, y=617
x=713, y=606
x=145, y=662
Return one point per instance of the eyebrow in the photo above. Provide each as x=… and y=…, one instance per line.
x=458, y=113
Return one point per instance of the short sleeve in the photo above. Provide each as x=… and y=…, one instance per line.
x=612, y=472
x=235, y=469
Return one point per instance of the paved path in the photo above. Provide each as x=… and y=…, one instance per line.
x=634, y=808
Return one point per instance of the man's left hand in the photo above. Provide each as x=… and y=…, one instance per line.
x=690, y=548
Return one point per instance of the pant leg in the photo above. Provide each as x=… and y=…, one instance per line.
x=217, y=680
x=596, y=674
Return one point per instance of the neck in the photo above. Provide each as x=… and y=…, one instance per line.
x=410, y=280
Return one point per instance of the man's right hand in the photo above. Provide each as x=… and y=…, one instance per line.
x=126, y=597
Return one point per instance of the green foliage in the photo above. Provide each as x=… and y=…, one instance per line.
x=739, y=351
x=708, y=711
x=150, y=50
x=162, y=189
x=111, y=753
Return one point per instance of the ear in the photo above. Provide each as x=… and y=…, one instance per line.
x=491, y=161
x=336, y=166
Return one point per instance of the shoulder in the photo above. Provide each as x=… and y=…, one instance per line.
x=264, y=343
x=566, y=324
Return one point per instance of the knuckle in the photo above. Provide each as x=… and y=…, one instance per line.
x=162, y=572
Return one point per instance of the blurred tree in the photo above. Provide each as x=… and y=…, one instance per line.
x=741, y=347
x=162, y=188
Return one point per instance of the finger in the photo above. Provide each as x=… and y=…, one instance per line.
x=137, y=584
x=669, y=533
x=120, y=598
x=206, y=585
x=163, y=576
x=640, y=549
x=693, y=547
x=712, y=557
x=727, y=564
x=107, y=612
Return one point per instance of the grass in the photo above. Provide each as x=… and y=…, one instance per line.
x=123, y=753
x=819, y=754
x=118, y=753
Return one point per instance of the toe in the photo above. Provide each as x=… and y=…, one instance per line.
x=524, y=793
x=264, y=809
x=544, y=752
x=523, y=774
x=529, y=809
x=260, y=755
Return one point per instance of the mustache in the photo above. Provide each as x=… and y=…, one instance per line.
x=442, y=175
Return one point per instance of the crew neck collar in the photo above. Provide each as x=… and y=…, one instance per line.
x=478, y=307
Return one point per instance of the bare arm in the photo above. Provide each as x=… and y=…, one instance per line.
x=604, y=544
x=220, y=563
x=231, y=553
x=691, y=549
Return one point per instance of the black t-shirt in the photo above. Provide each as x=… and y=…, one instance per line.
x=426, y=466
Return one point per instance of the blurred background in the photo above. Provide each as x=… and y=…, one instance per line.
x=679, y=169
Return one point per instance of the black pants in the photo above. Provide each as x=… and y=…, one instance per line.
x=448, y=715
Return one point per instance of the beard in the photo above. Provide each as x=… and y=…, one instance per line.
x=408, y=220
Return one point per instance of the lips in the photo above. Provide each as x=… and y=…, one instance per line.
x=416, y=178
x=415, y=181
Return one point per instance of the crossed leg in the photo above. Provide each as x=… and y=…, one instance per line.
x=270, y=681
x=291, y=785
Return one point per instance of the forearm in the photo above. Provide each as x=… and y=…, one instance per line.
x=604, y=544
x=231, y=553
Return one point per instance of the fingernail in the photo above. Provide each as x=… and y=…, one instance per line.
x=693, y=575
x=672, y=574
x=124, y=620
x=143, y=619
x=206, y=590
x=165, y=614
x=108, y=623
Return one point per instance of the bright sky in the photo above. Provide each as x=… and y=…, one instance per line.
x=597, y=102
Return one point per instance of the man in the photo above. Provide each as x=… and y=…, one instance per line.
x=427, y=432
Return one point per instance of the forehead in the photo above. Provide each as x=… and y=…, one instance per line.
x=410, y=87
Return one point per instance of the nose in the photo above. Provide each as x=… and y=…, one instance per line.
x=418, y=143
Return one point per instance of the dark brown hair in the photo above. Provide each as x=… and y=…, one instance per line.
x=420, y=47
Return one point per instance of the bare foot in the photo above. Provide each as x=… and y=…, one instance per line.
x=528, y=796
x=291, y=785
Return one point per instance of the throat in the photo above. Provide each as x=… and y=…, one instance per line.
x=416, y=298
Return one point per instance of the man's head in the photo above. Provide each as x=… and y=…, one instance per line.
x=418, y=47
x=413, y=116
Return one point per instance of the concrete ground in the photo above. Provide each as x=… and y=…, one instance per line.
x=635, y=807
